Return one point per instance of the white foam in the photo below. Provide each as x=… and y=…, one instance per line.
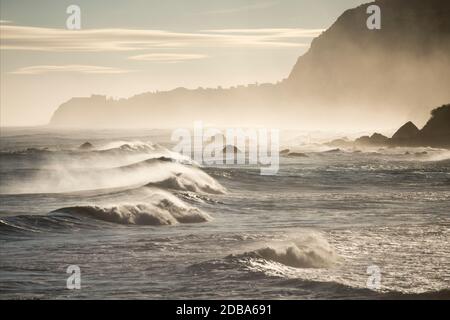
x=128, y=145
x=304, y=251
x=167, y=210
x=158, y=172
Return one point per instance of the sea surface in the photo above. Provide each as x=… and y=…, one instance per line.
x=143, y=222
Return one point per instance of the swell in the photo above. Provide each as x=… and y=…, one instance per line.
x=23, y=225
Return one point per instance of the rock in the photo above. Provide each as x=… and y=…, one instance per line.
x=406, y=132
x=376, y=139
x=86, y=146
x=333, y=151
x=285, y=151
x=436, y=132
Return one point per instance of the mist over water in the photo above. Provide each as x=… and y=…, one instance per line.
x=143, y=222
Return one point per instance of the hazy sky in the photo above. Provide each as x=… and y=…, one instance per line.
x=133, y=46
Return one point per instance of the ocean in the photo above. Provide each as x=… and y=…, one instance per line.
x=143, y=222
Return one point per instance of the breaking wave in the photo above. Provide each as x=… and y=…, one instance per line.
x=164, y=172
x=184, y=182
x=165, y=212
x=129, y=146
x=293, y=256
x=311, y=251
x=157, y=208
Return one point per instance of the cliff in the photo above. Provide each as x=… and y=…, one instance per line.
x=436, y=133
x=349, y=75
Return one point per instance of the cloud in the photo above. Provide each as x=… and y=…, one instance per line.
x=103, y=40
x=74, y=68
x=168, y=57
x=272, y=33
x=256, y=6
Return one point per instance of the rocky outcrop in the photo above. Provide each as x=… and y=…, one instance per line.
x=86, y=146
x=407, y=131
x=406, y=135
x=436, y=133
x=376, y=139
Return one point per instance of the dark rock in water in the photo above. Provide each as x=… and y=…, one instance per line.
x=436, y=133
x=406, y=132
x=298, y=155
x=86, y=146
x=407, y=153
x=363, y=140
x=376, y=139
x=285, y=151
x=333, y=151
x=165, y=159
x=230, y=149
x=423, y=153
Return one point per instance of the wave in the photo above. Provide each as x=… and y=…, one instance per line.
x=157, y=208
x=122, y=145
x=155, y=159
x=240, y=269
x=79, y=158
x=183, y=182
x=164, y=171
x=129, y=146
x=292, y=256
x=165, y=212
x=311, y=251
x=178, y=176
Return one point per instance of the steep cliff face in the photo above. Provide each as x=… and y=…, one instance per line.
x=350, y=75
x=437, y=130
x=404, y=65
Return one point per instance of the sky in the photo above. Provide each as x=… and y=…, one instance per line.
x=133, y=46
